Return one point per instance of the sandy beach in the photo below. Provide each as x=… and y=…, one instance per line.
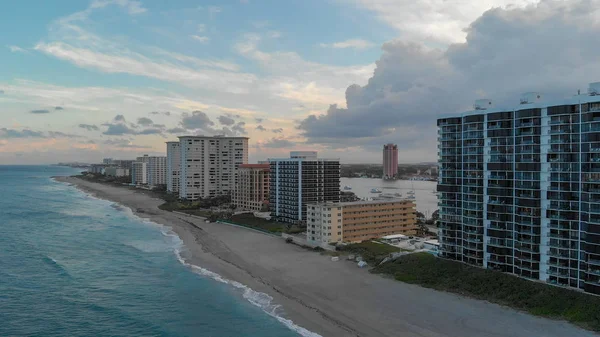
x=325, y=297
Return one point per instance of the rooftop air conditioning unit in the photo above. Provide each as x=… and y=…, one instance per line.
x=594, y=89
x=482, y=104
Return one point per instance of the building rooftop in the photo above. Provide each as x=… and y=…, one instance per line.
x=364, y=202
x=529, y=100
x=213, y=137
x=260, y=166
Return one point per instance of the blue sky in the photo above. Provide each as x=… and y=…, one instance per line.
x=82, y=80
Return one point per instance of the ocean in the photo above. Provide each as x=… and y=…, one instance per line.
x=74, y=265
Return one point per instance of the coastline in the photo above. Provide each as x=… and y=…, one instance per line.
x=325, y=297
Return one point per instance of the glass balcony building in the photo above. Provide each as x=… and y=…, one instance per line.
x=519, y=188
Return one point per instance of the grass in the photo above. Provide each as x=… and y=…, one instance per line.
x=533, y=297
x=372, y=252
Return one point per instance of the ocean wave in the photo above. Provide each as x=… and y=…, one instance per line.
x=261, y=300
x=57, y=265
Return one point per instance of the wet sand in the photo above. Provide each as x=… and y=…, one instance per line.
x=330, y=298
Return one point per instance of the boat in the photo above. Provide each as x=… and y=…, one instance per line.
x=398, y=194
x=411, y=196
x=410, y=192
x=347, y=188
x=375, y=190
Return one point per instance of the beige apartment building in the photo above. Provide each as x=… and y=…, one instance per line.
x=360, y=220
x=252, y=188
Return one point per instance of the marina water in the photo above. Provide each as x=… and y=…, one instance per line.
x=74, y=265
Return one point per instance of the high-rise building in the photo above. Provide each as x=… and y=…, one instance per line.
x=358, y=221
x=299, y=180
x=209, y=165
x=519, y=189
x=252, y=187
x=156, y=169
x=173, y=166
x=390, y=161
x=139, y=173
x=124, y=164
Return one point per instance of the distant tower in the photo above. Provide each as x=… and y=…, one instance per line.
x=390, y=161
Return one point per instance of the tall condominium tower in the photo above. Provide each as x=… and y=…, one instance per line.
x=252, y=188
x=520, y=189
x=156, y=169
x=390, y=161
x=173, y=166
x=301, y=179
x=209, y=165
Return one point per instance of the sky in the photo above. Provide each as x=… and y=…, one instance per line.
x=83, y=80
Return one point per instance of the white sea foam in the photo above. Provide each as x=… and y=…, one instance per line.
x=261, y=300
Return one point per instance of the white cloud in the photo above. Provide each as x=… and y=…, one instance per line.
x=133, y=7
x=201, y=28
x=201, y=39
x=352, y=43
x=438, y=21
x=17, y=49
x=137, y=64
x=274, y=34
x=413, y=84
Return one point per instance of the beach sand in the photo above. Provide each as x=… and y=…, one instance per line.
x=325, y=297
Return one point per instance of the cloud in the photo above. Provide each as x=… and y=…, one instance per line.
x=278, y=130
x=259, y=120
x=166, y=113
x=277, y=143
x=118, y=130
x=413, y=84
x=125, y=144
x=25, y=133
x=261, y=128
x=225, y=120
x=201, y=39
x=214, y=10
x=154, y=131
x=89, y=127
x=201, y=28
x=43, y=111
x=1, y=92
x=352, y=43
x=121, y=60
x=58, y=134
x=119, y=118
x=196, y=120
x=435, y=21
x=273, y=34
x=58, y=108
x=132, y=7
x=17, y=49
x=144, y=121
x=239, y=128
x=177, y=131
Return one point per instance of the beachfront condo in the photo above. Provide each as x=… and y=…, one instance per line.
x=299, y=180
x=252, y=188
x=139, y=174
x=520, y=188
x=358, y=221
x=209, y=165
x=156, y=169
x=173, y=167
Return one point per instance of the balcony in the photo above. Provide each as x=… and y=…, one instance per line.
x=557, y=273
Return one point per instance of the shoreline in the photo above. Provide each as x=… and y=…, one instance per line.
x=321, y=296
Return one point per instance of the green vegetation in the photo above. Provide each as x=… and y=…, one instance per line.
x=249, y=220
x=372, y=252
x=533, y=297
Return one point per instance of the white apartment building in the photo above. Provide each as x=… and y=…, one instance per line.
x=173, y=166
x=116, y=172
x=156, y=169
x=139, y=173
x=209, y=165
